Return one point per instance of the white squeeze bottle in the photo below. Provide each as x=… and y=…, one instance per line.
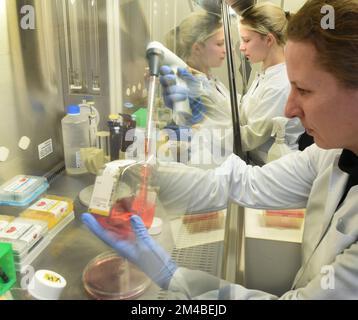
x=279, y=147
x=75, y=133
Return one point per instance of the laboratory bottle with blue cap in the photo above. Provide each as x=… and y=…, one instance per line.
x=75, y=133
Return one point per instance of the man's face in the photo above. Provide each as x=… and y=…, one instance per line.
x=327, y=109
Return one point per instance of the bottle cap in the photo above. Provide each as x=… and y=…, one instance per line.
x=73, y=109
x=113, y=117
x=128, y=105
x=46, y=285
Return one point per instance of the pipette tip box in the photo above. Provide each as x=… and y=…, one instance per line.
x=49, y=208
x=22, y=190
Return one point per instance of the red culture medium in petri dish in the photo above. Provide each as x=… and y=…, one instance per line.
x=111, y=277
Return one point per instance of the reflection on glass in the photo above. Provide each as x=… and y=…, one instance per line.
x=94, y=45
x=213, y=6
x=200, y=42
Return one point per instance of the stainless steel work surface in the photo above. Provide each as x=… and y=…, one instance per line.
x=75, y=246
x=71, y=250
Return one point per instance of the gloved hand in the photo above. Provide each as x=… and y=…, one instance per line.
x=174, y=92
x=144, y=252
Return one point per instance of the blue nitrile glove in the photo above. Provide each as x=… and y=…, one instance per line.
x=171, y=91
x=144, y=252
x=174, y=92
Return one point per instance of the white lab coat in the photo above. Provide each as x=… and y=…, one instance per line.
x=310, y=179
x=266, y=99
x=212, y=138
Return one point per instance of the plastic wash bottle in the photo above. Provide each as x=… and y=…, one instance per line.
x=75, y=133
x=279, y=147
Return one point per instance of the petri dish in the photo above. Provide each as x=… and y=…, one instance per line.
x=111, y=277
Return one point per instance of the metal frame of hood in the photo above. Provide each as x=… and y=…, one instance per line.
x=232, y=82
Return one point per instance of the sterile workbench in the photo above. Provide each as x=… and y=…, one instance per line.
x=71, y=250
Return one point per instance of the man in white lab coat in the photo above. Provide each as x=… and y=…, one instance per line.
x=322, y=68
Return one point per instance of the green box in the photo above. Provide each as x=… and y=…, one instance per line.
x=7, y=266
x=141, y=117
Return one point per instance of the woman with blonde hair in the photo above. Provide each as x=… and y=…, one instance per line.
x=199, y=41
x=263, y=32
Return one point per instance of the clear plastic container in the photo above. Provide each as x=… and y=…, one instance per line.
x=204, y=222
x=116, y=197
x=23, y=234
x=121, y=211
x=4, y=221
x=111, y=277
x=76, y=135
x=284, y=218
x=51, y=209
x=22, y=190
x=6, y=218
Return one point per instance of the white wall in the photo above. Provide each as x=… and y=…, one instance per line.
x=293, y=5
x=289, y=5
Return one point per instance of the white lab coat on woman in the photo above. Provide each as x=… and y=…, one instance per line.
x=310, y=179
x=266, y=99
x=212, y=137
